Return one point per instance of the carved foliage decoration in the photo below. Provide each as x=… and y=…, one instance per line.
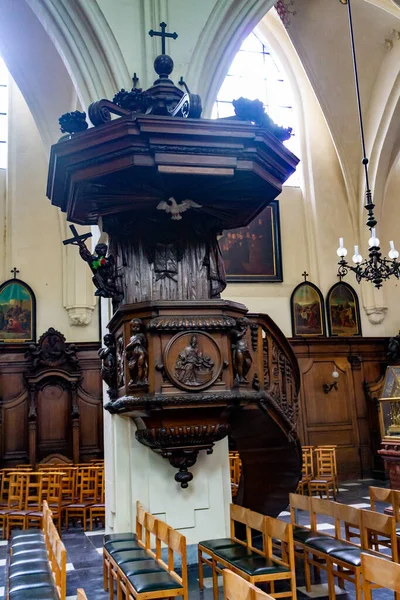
x=192, y=360
x=52, y=351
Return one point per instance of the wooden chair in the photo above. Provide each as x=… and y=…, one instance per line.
x=315, y=550
x=14, y=500
x=98, y=509
x=237, y=588
x=80, y=594
x=346, y=564
x=307, y=469
x=326, y=478
x=378, y=572
x=86, y=496
x=275, y=567
x=32, y=502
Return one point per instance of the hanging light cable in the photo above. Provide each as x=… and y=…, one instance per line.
x=375, y=268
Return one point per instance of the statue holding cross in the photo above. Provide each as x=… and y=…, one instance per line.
x=102, y=266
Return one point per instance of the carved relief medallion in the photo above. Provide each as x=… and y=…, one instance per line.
x=192, y=360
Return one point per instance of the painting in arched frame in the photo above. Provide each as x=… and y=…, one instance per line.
x=343, y=310
x=17, y=312
x=307, y=310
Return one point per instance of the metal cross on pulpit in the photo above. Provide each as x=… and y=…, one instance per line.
x=163, y=35
x=77, y=240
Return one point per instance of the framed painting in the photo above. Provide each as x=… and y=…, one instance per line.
x=343, y=310
x=253, y=253
x=307, y=311
x=17, y=312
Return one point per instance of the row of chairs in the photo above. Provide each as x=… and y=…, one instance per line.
x=319, y=471
x=38, y=563
x=143, y=565
x=338, y=554
x=265, y=555
x=73, y=493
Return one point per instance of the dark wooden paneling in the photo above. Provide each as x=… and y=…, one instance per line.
x=53, y=407
x=344, y=416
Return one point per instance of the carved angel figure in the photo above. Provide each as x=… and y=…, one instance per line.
x=174, y=209
x=109, y=361
x=137, y=355
x=241, y=356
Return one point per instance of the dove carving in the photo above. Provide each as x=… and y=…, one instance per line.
x=174, y=209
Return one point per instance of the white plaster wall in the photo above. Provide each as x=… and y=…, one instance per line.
x=134, y=472
x=32, y=237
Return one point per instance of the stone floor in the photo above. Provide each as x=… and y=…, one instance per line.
x=84, y=556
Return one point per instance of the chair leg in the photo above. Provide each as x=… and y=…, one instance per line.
x=105, y=573
x=331, y=579
x=215, y=579
x=201, y=570
x=307, y=574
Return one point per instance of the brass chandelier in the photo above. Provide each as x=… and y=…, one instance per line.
x=375, y=268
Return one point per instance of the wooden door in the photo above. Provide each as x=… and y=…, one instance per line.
x=331, y=418
x=54, y=426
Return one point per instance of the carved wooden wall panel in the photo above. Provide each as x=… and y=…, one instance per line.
x=49, y=407
x=344, y=417
x=54, y=421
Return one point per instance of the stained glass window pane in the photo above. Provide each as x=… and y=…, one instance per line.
x=255, y=73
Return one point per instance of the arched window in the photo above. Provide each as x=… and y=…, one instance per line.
x=255, y=73
x=3, y=114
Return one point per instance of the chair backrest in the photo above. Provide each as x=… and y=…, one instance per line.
x=33, y=490
x=326, y=461
x=235, y=587
x=255, y=522
x=151, y=531
x=238, y=515
x=347, y=516
x=396, y=505
x=279, y=535
x=80, y=594
x=308, y=461
x=16, y=487
x=378, y=494
x=87, y=483
x=381, y=572
x=321, y=506
x=299, y=502
x=69, y=482
x=373, y=524
x=140, y=518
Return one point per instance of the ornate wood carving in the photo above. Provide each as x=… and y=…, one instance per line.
x=108, y=356
x=137, y=355
x=52, y=351
x=164, y=189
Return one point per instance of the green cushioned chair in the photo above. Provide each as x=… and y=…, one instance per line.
x=28, y=551
x=25, y=533
x=353, y=556
x=139, y=567
x=304, y=535
x=29, y=568
x=257, y=565
x=152, y=582
x=221, y=543
x=48, y=593
x=329, y=545
x=29, y=541
x=23, y=559
x=129, y=555
x=119, y=537
x=232, y=554
x=113, y=547
x=23, y=582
